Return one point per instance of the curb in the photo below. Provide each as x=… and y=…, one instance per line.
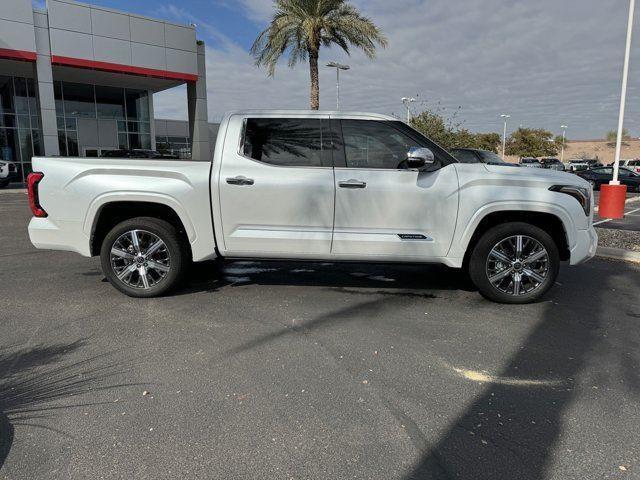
x=12, y=190
x=618, y=254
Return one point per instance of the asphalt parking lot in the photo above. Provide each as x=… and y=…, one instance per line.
x=305, y=371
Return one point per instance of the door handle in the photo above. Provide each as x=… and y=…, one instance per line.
x=240, y=180
x=352, y=184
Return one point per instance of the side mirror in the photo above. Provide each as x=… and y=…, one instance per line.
x=419, y=157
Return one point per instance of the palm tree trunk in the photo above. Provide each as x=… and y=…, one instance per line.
x=315, y=83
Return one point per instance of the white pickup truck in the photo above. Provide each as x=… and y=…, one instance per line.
x=325, y=186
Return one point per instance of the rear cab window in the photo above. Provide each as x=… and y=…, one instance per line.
x=286, y=142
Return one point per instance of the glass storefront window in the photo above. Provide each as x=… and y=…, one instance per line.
x=57, y=93
x=38, y=148
x=21, y=98
x=26, y=147
x=110, y=102
x=123, y=141
x=7, y=121
x=79, y=100
x=6, y=95
x=24, y=122
x=139, y=141
x=137, y=105
x=9, y=145
x=62, y=143
x=72, y=144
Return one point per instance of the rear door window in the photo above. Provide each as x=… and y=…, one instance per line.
x=285, y=142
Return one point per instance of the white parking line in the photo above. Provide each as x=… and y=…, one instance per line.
x=609, y=219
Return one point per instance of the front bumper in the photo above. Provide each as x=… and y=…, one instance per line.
x=585, y=246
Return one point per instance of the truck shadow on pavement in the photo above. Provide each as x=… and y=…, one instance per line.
x=33, y=388
x=512, y=430
x=388, y=279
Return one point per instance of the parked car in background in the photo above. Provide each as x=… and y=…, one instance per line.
x=8, y=173
x=475, y=155
x=136, y=153
x=530, y=162
x=579, y=164
x=603, y=175
x=552, y=164
x=633, y=165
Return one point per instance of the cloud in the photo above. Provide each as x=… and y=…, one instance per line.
x=546, y=63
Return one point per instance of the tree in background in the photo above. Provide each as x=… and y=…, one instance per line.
x=301, y=27
x=448, y=132
x=612, y=137
x=560, y=142
x=488, y=141
x=531, y=142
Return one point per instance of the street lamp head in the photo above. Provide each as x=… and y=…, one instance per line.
x=408, y=99
x=504, y=115
x=563, y=126
x=339, y=66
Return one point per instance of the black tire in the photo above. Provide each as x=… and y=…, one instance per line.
x=178, y=253
x=480, y=255
x=4, y=183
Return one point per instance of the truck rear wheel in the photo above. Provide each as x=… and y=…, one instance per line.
x=144, y=257
x=514, y=263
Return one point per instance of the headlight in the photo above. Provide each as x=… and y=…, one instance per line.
x=582, y=194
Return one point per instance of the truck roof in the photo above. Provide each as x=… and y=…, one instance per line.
x=312, y=113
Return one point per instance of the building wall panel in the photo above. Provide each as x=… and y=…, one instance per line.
x=180, y=38
x=17, y=36
x=69, y=16
x=181, y=61
x=110, y=24
x=17, y=11
x=148, y=56
x=112, y=50
x=71, y=44
x=146, y=31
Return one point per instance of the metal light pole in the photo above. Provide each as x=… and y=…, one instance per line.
x=504, y=132
x=564, y=133
x=613, y=195
x=407, y=101
x=623, y=95
x=338, y=67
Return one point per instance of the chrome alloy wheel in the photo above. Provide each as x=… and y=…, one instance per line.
x=140, y=259
x=517, y=265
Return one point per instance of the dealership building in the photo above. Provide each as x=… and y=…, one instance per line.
x=78, y=80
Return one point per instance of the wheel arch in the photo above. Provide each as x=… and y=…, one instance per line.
x=110, y=213
x=549, y=222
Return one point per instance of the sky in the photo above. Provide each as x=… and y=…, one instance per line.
x=544, y=62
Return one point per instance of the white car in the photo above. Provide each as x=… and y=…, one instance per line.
x=633, y=165
x=7, y=172
x=319, y=186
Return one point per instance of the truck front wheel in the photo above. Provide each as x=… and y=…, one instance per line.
x=144, y=257
x=514, y=263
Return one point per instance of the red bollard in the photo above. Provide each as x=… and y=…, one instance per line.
x=612, y=199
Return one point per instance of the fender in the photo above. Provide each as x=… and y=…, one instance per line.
x=96, y=205
x=505, y=206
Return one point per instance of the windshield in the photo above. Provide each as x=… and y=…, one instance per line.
x=490, y=157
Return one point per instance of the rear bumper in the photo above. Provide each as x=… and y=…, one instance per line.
x=68, y=236
x=585, y=246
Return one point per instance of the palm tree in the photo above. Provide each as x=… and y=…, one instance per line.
x=301, y=27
